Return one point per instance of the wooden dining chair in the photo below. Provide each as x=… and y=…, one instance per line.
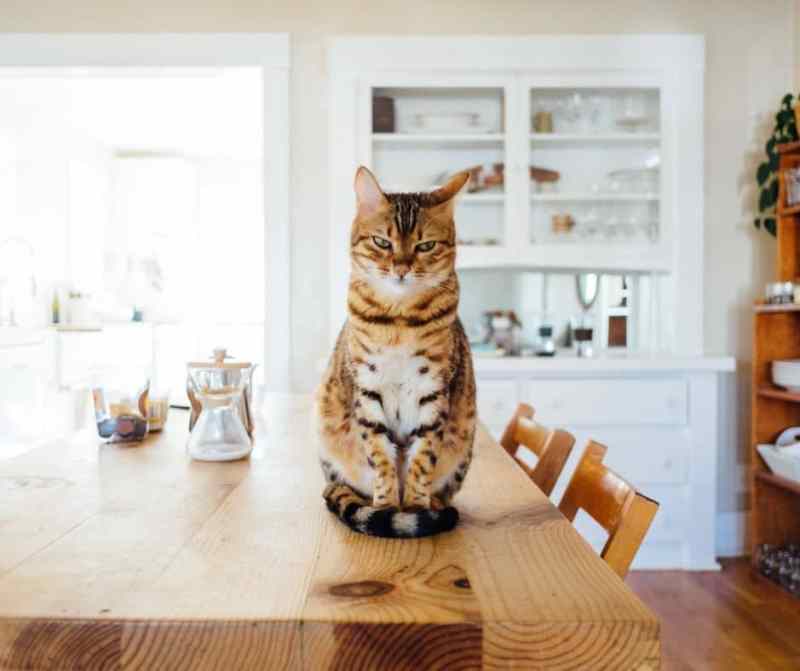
x=551, y=446
x=613, y=503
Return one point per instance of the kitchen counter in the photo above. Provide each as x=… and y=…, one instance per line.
x=567, y=362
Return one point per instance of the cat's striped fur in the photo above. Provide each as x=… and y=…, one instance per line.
x=396, y=407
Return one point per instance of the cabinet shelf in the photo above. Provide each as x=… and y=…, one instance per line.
x=610, y=138
x=781, y=394
x=789, y=210
x=766, y=308
x=608, y=257
x=483, y=198
x=778, y=481
x=593, y=197
x=438, y=139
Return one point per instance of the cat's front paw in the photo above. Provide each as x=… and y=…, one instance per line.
x=390, y=500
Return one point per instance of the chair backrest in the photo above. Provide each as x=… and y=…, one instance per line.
x=551, y=446
x=613, y=503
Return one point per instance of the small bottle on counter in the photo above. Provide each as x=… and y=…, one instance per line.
x=55, y=308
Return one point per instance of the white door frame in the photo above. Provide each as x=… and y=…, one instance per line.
x=268, y=51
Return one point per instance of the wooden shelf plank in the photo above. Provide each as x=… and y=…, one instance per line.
x=778, y=481
x=767, y=308
x=789, y=147
x=789, y=211
x=780, y=394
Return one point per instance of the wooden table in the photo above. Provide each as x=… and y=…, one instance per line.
x=138, y=558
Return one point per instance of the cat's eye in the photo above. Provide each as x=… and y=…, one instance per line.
x=383, y=243
x=426, y=246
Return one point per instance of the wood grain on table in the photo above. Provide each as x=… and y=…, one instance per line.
x=115, y=557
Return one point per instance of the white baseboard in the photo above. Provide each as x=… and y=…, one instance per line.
x=731, y=530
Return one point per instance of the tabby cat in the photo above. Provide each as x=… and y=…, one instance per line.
x=396, y=406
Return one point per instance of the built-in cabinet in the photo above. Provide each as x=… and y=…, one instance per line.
x=586, y=154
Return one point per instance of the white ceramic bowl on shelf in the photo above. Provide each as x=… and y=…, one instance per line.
x=783, y=461
x=786, y=374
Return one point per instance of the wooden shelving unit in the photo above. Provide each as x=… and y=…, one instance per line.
x=775, y=501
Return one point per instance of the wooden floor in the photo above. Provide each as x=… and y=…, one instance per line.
x=732, y=620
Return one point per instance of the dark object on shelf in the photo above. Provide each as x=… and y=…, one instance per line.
x=563, y=223
x=544, y=175
x=481, y=179
x=781, y=564
x=618, y=331
x=543, y=122
x=382, y=114
x=502, y=330
x=546, y=345
x=584, y=335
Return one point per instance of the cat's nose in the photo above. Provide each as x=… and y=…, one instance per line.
x=402, y=271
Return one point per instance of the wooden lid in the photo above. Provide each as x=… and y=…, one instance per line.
x=220, y=359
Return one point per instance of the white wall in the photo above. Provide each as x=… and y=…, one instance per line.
x=750, y=47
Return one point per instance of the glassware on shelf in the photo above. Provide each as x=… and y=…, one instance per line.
x=613, y=223
x=632, y=116
x=591, y=117
x=590, y=225
x=568, y=113
x=650, y=229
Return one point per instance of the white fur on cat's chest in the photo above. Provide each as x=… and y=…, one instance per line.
x=401, y=380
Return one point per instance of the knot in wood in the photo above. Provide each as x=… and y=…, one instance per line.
x=361, y=589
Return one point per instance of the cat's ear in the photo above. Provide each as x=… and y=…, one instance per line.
x=369, y=197
x=454, y=186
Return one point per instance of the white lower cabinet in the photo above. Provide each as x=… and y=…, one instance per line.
x=661, y=431
x=497, y=400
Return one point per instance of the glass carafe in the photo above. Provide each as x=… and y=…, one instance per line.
x=219, y=434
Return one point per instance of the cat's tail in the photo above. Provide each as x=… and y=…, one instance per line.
x=360, y=516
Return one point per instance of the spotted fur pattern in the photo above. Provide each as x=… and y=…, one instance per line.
x=396, y=406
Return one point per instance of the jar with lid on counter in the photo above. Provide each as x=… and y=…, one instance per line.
x=221, y=425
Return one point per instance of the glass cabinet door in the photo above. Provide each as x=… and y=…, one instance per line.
x=421, y=135
x=595, y=165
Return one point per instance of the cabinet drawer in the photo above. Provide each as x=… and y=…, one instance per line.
x=608, y=401
x=497, y=400
x=643, y=455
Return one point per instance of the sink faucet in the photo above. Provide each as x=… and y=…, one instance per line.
x=14, y=243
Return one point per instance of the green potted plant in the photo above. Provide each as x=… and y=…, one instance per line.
x=767, y=173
